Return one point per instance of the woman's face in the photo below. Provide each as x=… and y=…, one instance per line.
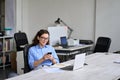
x=43, y=39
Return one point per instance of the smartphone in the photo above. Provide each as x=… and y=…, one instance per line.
x=49, y=53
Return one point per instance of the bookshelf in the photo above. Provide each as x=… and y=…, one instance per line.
x=6, y=47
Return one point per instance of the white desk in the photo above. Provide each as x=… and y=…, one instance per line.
x=67, y=52
x=100, y=67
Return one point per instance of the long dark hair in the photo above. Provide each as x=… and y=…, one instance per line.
x=35, y=41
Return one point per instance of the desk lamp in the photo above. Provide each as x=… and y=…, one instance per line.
x=58, y=21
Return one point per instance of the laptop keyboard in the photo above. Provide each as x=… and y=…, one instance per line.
x=69, y=67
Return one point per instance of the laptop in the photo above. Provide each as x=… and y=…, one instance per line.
x=79, y=62
x=64, y=42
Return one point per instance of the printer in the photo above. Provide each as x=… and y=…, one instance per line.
x=73, y=42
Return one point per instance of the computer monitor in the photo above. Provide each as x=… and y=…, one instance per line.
x=64, y=42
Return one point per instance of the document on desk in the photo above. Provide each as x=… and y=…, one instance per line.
x=56, y=68
x=60, y=65
x=117, y=61
x=53, y=70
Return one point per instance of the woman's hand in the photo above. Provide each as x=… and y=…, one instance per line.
x=47, y=56
x=50, y=57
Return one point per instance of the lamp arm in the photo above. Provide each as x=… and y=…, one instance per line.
x=67, y=25
x=71, y=30
x=70, y=34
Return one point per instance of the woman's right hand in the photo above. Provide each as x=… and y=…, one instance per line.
x=47, y=56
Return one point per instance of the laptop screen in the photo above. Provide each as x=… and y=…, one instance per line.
x=63, y=41
x=78, y=62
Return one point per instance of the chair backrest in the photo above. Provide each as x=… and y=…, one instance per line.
x=25, y=55
x=20, y=39
x=102, y=44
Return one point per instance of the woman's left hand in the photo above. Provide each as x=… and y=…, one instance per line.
x=52, y=58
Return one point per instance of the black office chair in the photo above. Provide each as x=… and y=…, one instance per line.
x=25, y=55
x=21, y=45
x=118, y=79
x=102, y=44
x=21, y=40
x=26, y=65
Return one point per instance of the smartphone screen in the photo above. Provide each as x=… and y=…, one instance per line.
x=49, y=53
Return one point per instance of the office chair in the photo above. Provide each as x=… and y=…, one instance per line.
x=21, y=45
x=25, y=55
x=102, y=44
x=21, y=40
x=26, y=65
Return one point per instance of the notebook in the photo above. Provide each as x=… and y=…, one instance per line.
x=78, y=62
x=64, y=42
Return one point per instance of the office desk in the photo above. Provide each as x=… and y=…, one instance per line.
x=67, y=53
x=100, y=67
x=71, y=50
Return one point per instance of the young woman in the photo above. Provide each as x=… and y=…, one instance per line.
x=41, y=53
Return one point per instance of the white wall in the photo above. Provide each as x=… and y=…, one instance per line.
x=18, y=15
x=38, y=14
x=108, y=21
x=88, y=18
x=22, y=16
x=10, y=15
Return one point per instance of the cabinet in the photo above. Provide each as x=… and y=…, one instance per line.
x=2, y=15
x=6, y=47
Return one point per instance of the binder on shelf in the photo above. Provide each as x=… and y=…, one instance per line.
x=6, y=46
x=1, y=46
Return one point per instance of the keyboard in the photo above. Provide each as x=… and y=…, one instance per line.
x=69, y=67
